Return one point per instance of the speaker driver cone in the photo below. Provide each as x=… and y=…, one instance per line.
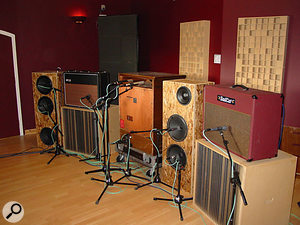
x=44, y=85
x=45, y=105
x=176, y=154
x=178, y=128
x=48, y=136
x=184, y=95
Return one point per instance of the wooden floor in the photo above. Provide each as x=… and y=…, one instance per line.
x=60, y=193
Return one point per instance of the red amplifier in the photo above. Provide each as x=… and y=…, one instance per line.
x=252, y=118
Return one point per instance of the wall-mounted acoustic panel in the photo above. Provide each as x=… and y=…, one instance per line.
x=194, y=49
x=261, y=50
x=118, y=44
x=182, y=110
x=47, y=87
x=267, y=184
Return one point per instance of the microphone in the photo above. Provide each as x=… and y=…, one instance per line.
x=217, y=128
x=87, y=97
x=133, y=84
x=122, y=81
x=174, y=128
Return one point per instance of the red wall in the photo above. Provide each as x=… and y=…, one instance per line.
x=233, y=9
x=160, y=30
x=47, y=38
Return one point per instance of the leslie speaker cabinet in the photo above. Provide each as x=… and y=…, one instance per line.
x=182, y=110
x=47, y=92
x=267, y=184
x=253, y=118
x=141, y=110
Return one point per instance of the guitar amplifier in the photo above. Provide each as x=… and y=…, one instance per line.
x=253, y=118
x=87, y=86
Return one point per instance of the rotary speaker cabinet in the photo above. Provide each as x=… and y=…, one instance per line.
x=183, y=112
x=141, y=110
x=47, y=88
x=267, y=184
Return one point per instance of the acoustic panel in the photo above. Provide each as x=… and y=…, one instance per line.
x=261, y=50
x=118, y=44
x=194, y=49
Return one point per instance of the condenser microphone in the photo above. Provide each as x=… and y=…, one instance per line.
x=217, y=128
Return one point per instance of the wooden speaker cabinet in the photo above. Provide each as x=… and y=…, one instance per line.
x=183, y=108
x=82, y=132
x=267, y=184
x=44, y=104
x=141, y=108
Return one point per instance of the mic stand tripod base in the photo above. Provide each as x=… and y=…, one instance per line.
x=110, y=182
x=178, y=198
x=58, y=151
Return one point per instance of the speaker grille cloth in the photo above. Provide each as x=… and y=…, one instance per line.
x=80, y=130
x=238, y=134
x=213, y=190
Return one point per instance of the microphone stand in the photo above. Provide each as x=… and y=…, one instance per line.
x=98, y=156
x=58, y=149
x=158, y=160
x=106, y=161
x=235, y=180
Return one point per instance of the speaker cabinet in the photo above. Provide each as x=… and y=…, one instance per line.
x=267, y=184
x=83, y=85
x=183, y=109
x=43, y=84
x=141, y=108
x=82, y=132
x=253, y=118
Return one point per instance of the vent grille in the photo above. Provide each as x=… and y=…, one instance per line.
x=213, y=190
x=80, y=130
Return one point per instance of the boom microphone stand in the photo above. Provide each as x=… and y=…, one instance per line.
x=158, y=160
x=106, y=161
x=57, y=149
x=235, y=180
x=97, y=156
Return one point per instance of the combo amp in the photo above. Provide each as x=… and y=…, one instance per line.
x=87, y=86
x=253, y=119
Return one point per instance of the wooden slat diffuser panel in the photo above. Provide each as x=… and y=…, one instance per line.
x=194, y=49
x=261, y=49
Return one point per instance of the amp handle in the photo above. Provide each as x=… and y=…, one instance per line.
x=241, y=86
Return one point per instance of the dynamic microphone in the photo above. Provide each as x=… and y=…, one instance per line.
x=217, y=128
x=123, y=81
x=86, y=97
x=133, y=84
